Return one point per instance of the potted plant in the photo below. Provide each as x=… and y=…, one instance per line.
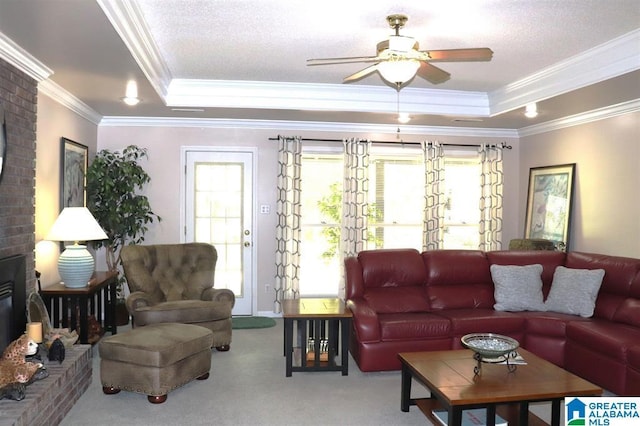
x=114, y=182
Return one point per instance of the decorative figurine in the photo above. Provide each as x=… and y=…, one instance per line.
x=57, y=351
x=14, y=369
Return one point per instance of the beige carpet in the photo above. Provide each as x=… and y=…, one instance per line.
x=248, y=386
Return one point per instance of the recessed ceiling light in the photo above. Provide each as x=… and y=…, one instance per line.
x=131, y=94
x=531, y=110
x=403, y=118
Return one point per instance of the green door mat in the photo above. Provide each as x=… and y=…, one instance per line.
x=252, y=322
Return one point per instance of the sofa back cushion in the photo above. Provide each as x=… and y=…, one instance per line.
x=549, y=260
x=458, y=279
x=618, y=296
x=393, y=280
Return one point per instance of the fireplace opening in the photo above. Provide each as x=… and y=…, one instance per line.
x=13, y=289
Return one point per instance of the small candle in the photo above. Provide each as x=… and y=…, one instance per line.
x=34, y=331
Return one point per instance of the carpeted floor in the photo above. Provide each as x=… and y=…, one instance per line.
x=252, y=322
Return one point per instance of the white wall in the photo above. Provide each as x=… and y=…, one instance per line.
x=606, y=214
x=53, y=122
x=164, y=148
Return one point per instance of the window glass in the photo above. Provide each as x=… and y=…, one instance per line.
x=396, y=204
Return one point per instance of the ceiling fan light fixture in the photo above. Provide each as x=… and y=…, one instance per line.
x=402, y=43
x=400, y=71
x=531, y=110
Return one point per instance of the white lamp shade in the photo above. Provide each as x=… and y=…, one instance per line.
x=76, y=224
x=398, y=72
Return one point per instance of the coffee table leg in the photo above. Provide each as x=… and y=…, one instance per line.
x=491, y=415
x=455, y=416
x=405, y=389
x=555, y=412
x=288, y=344
x=523, y=418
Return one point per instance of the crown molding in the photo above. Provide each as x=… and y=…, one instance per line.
x=306, y=126
x=21, y=59
x=66, y=99
x=583, y=118
x=611, y=59
x=323, y=97
x=127, y=19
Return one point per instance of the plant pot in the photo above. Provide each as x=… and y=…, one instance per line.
x=122, y=315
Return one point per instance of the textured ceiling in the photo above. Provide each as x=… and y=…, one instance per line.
x=212, y=45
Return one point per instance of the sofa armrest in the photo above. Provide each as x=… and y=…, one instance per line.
x=365, y=320
x=137, y=300
x=219, y=295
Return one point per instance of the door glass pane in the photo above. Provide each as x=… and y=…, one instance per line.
x=218, y=210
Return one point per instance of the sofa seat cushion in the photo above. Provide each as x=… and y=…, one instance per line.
x=608, y=338
x=464, y=321
x=550, y=324
x=413, y=326
x=387, y=300
x=183, y=311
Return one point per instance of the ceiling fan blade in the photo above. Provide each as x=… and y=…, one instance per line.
x=432, y=73
x=460, y=55
x=361, y=74
x=348, y=60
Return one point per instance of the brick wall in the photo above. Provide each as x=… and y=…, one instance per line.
x=18, y=98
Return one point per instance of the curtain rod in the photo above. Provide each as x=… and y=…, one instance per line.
x=502, y=144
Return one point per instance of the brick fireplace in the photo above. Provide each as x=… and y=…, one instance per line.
x=47, y=401
x=18, y=98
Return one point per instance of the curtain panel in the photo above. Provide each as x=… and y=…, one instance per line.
x=434, y=196
x=355, y=207
x=287, y=283
x=492, y=183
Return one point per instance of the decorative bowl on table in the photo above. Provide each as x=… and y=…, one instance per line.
x=490, y=347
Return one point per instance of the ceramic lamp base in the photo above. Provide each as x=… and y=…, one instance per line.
x=76, y=265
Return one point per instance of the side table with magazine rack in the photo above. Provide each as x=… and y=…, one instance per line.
x=322, y=326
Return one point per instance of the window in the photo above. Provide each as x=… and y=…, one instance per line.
x=396, y=204
x=462, y=211
x=321, y=210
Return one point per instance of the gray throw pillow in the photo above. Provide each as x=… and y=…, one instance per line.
x=517, y=288
x=574, y=291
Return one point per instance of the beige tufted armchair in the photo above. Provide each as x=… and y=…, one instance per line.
x=174, y=283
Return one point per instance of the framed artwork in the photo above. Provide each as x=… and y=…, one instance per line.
x=74, y=160
x=549, y=203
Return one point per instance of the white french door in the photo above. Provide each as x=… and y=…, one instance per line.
x=219, y=210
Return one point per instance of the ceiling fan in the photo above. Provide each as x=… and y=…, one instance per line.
x=399, y=59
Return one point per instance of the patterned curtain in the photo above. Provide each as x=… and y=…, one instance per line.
x=434, y=196
x=492, y=183
x=287, y=283
x=354, y=198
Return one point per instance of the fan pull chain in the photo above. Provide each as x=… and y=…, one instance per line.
x=398, y=109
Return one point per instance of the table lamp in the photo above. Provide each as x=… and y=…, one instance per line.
x=76, y=264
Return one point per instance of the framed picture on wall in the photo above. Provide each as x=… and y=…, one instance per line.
x=74, y=161
x=549, y=203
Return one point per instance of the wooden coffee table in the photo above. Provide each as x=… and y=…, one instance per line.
x=323, y=330
x=454, y=387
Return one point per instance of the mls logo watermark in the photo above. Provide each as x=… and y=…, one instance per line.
x=608, y=411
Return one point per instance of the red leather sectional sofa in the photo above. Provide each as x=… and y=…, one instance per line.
x=403, y=300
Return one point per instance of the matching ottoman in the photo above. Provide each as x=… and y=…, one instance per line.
x=155, y=359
